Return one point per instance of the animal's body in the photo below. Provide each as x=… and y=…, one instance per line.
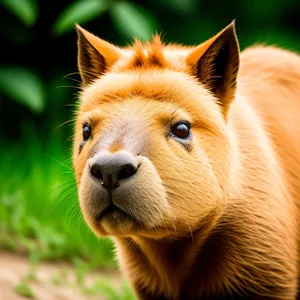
x=190, y=158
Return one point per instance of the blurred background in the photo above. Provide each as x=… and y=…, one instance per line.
x=39, y=214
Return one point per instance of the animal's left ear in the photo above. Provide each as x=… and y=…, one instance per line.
x=216, y=63
x=95, y=56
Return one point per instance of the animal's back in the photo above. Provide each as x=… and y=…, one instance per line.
x=269, y=91
x=271, y=79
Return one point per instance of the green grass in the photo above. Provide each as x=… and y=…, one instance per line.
x=40, y=216
x=39, y=212
x=23, y=289
x=103, y=287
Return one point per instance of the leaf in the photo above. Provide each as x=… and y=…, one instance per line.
x=24, y=290
x=181, y=6
x=24, y=86
x=25, y=10
x=80, y=12
x=132, y=20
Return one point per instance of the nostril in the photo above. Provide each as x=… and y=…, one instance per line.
x=127, y=171
x=96, y=171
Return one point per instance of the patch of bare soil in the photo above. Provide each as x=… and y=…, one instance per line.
x=54, y=281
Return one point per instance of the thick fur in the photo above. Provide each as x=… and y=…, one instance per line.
x=218, y=215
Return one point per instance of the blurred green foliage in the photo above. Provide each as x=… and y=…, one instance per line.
x=78, y=12
x=23, y=85
x=25, y=10
x=132, y=20
x=38, y=92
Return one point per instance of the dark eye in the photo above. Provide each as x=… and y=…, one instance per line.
x=181, y=130
x=86, y=132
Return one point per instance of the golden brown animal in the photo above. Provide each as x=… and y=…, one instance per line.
x=190, y=158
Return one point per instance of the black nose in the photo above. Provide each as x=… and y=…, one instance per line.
x=110, y=169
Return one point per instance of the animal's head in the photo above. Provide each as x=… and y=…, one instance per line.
x=151, y=148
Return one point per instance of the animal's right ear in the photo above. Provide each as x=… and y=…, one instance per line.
x=215, y=63
x=95, y=55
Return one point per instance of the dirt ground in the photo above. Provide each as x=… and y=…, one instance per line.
x=13, y=268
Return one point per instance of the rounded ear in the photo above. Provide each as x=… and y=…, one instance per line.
x=95, y=55
x=216, y=63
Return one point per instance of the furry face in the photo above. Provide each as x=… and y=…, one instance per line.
x=151, y=149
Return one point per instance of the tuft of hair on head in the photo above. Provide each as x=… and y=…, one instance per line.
x=148, y=54
x=214, y=63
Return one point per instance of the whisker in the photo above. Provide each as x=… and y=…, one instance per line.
x=62, y=185
x=60, y=173
x=59, y=162
x=68, y=199
x=72, y=214
x=67, y=189
x=68, y=86
x=72, y=105
x=72, y=73
x=69, y=139
x=62, y=124
x=70, y=78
